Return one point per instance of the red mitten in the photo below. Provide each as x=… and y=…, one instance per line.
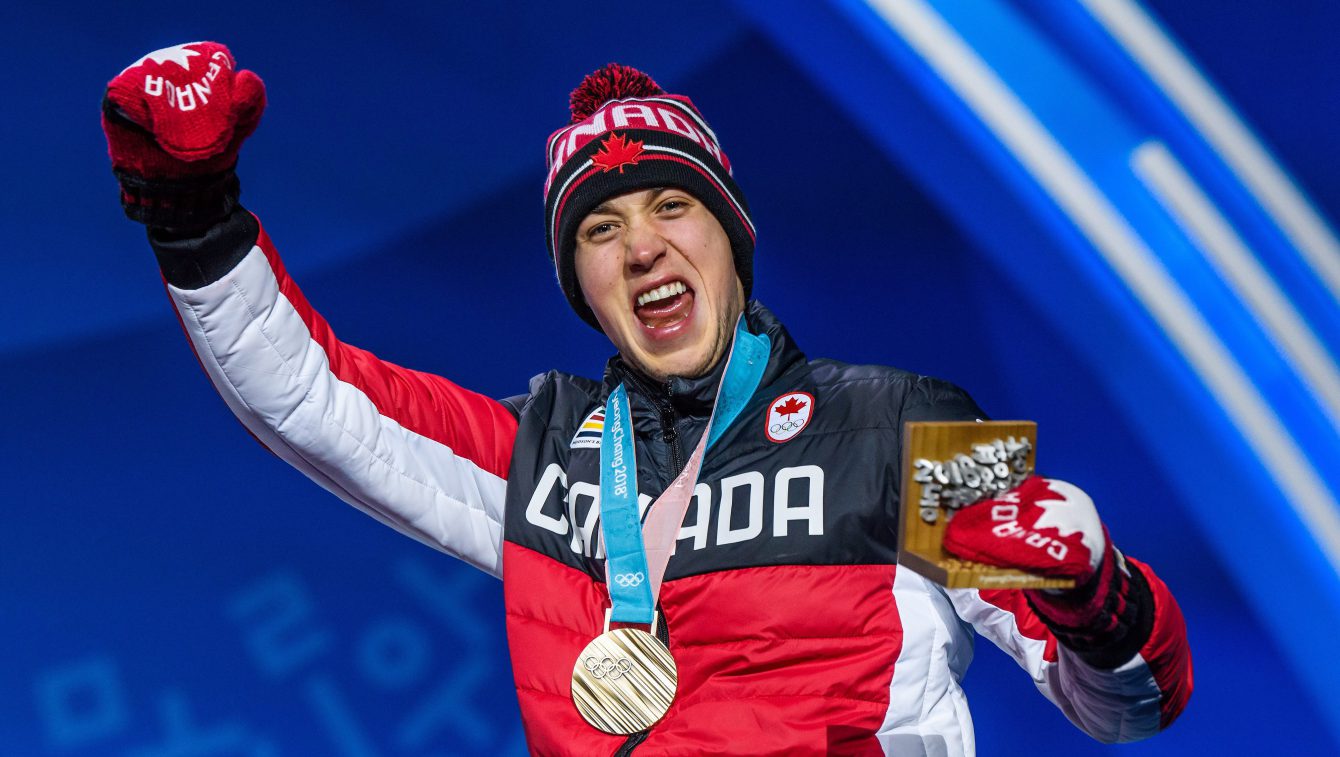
x=175, y=120
x=1043, y=526
x=1050, y=528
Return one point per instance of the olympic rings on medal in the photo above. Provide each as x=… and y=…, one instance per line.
x=628, y=580
x=607, y=666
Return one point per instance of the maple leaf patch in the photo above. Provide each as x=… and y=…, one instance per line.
x=617, y=151
x=788, y=415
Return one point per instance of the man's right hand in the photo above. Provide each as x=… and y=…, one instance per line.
x=175, y=120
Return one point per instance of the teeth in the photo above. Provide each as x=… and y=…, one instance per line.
x=662, y=292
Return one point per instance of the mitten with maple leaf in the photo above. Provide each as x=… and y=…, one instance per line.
x=1051, y=528
x=175, y=121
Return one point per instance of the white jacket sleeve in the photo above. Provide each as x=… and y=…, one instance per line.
x=410, y=449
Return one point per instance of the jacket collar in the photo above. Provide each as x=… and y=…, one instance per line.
x=695, y=396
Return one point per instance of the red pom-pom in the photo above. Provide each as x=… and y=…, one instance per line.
x=613, y=82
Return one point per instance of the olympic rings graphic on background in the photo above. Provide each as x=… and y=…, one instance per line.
x=627, y=580
x=778, y=428
x=607, y=666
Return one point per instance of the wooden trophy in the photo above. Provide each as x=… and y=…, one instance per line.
x=952, y=464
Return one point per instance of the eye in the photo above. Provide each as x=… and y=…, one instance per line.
x=599, y=230
x=674, y=205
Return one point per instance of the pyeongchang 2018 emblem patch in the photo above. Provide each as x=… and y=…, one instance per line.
x=788, y=415
x=588, y=434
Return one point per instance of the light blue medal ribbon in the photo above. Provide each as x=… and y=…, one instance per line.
x=620, y=522
x=630, y=591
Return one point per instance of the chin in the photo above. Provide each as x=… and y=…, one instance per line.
x=689, y=365
x=661, y=371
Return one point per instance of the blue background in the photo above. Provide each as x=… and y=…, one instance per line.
x=168, y=587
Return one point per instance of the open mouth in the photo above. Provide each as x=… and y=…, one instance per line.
x=664, y=305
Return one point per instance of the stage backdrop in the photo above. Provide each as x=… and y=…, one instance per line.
x=168, y=587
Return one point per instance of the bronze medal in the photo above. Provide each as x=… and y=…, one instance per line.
x=624, y=681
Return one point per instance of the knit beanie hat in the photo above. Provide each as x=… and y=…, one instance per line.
x=626, y=135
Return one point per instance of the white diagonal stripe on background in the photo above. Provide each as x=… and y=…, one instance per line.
x=1196, y=98
x=1056, y=172
x=1168, y=181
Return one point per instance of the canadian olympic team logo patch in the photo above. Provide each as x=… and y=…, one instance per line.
x=788, y=415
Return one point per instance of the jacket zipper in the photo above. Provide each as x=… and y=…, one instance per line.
x=668, y=433
x=670, y=436
x=632, y=743
x=663, y=398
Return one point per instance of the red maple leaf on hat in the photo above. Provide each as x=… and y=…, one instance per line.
x=617, y=151
x=790, y=407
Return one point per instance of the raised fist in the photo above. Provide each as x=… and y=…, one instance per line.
x=175, y=120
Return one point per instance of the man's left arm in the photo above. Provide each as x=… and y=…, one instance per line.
x=1112, y=653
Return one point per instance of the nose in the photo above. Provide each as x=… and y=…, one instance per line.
x=643, y=246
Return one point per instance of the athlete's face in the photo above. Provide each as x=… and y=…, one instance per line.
x=656, y=268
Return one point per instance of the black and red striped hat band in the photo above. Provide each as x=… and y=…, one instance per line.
x=632, y=144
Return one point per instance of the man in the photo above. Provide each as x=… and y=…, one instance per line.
x=719, y=505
